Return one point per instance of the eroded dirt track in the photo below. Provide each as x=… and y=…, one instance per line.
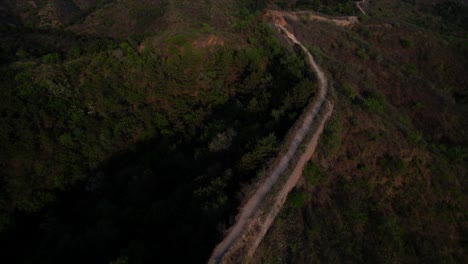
x=250, y=208
x=278, y=16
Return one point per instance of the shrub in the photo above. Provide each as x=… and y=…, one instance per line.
x=409, y=69
x=222, y=140
x=73, y=53
x=120, y=260
x=297, y=199
x=22, y=54
x=390, y=164
x=178, y=40
x=415, y=137
x=363, y=18
x=406, y=43
x=52, y=58
x=362, y=54
x=205, y=28
x=331, y=137
x=66, y=140
x=264, y=149
x=312, y=174
x=349, y=91
x=375, y=103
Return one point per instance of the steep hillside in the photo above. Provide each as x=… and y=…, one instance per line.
x=126, y=18
x=389, y=181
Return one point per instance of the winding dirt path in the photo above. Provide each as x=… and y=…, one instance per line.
x=248, y=210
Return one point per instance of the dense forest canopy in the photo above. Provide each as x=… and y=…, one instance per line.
x=137, y=147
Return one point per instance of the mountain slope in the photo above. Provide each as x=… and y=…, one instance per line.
x=388, y=182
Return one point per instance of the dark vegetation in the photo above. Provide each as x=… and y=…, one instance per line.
x=329, y=7
x=136, y=150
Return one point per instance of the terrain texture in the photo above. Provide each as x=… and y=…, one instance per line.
x=132, y=131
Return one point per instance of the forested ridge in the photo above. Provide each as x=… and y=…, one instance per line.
x=130, y=149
